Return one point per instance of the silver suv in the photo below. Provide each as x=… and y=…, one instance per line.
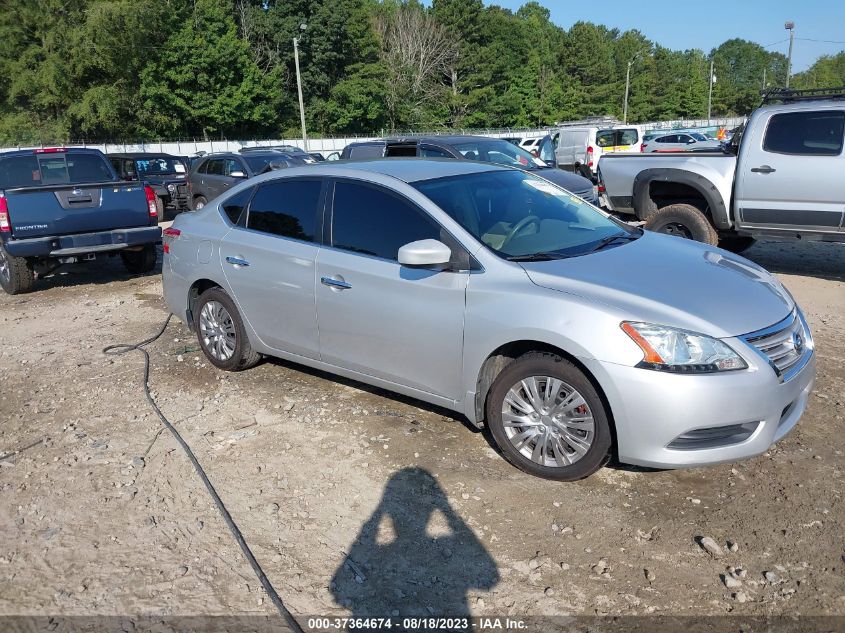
x=493, y=292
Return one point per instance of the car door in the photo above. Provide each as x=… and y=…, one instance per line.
x=212, y=178
x=790, y=172
x=269, y=260
x=377, y=317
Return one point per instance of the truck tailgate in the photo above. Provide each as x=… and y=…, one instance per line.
x=69, y=209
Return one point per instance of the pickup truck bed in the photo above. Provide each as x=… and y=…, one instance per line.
x=58, y=206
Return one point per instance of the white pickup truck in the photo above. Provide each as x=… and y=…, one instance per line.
x=783, y=177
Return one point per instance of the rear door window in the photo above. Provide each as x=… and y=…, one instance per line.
x=818, y=133
x=234, y=206
x=287, y=208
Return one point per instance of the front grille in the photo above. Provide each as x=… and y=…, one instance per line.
x=783, y=344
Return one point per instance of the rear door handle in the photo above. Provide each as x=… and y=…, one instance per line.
x=763, y=169
x=335, y=283
x=237, y=261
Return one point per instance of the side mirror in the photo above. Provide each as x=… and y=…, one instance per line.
x=237, y=174
x=425, y=253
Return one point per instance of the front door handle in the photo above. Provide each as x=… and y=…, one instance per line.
x=237, y=261
x=335, y=283
x=763, y=169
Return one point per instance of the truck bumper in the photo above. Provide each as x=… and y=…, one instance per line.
x=81, y=243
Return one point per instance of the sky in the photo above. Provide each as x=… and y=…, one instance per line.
x=704, y=24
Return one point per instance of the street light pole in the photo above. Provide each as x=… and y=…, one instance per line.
x=627, y=88
x=789, y=26
x=710, y=93
x=299, y=86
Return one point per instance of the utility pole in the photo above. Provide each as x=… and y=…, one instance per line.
x=712, y=80
x=627, y=88
x=789, y=26
x=299, y=85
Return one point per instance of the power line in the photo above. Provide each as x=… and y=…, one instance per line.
x=809, y=39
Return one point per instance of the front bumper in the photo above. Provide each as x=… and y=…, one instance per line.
x=82, y=243
x=653, y=409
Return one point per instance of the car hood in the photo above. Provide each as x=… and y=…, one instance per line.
x=672, y=281
x=571, y=182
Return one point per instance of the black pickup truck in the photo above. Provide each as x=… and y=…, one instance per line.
x=166, y=174
x=64, y=205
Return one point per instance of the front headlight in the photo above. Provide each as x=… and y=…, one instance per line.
x=668, y=349
x=171, y=187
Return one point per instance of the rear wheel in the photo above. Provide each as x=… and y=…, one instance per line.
x=16, y=273
x=142, y=261
x=221, y=332
x=548, y=419
x=683, y=220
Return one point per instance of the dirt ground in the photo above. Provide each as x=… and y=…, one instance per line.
x=356, y=501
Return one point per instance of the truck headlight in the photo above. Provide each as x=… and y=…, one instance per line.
x=669, y=349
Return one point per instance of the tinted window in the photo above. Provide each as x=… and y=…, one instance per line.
x=605, y=139
x=158, y=165
x=19, y=171
x=432, y=152
x=287, y=208
x=374, y=222
x=808, y=133
x=232, y=165
x=235, y=205
x=628, y=137
x=366, y=151
x=258, y=163
x=215, y=167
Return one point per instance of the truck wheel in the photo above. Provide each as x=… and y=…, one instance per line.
x=199, y=202
x=142, y=261
x=683, y=220
x=736, y=243
x=160, y=209
x=16, y=273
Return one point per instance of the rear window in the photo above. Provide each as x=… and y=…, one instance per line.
x=614, y=138
x=53, y=169
x=806, y=133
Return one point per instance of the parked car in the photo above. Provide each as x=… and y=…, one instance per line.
x=213, y=174
x=530, y=144
x=494, y=293
x=465, y=147
x=679, y=142
x=166, y=174
x=767, y=185
x=60, y=206
x=579, y=146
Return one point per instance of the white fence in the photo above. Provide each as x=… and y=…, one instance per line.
x=336, y=144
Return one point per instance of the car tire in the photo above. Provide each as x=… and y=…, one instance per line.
x=142, y=261
x=683, y=220
x=17, y=275
x=221, y=333
x=736, y=243
x=199, y=202
x=593, y=439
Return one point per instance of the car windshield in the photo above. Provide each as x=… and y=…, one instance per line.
x=517, y=214
x=159, y=165
x=499, y=152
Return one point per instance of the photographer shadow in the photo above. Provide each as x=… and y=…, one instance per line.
x=414, y=557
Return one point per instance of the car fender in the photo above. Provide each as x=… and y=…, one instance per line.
x=644, y=206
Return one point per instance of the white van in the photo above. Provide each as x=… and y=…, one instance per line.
x=577, y=146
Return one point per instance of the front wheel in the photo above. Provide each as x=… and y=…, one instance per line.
x=199, y=202
x=142, y=261
x=221, y=332
x=683, y=220
x=548, y=419
x=16, y=273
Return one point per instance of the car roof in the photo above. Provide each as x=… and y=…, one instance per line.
x=413, y=169
x=140, y=155
x=64, y=150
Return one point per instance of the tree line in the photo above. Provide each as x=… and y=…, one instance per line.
x=124, y=70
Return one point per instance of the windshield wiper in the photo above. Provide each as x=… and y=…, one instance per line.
x=607, y=241
x=537, y=257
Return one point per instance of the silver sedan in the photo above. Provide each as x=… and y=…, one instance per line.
x=495, y=293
